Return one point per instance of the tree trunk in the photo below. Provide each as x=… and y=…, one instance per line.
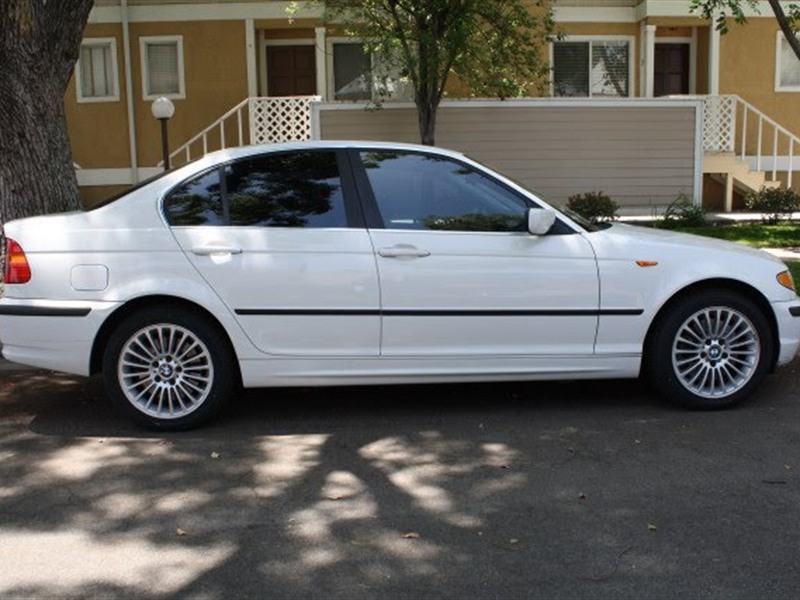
x=39, y=45
x=426, y=113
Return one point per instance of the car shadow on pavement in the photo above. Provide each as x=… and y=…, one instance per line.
x=490, y=490
x=63, y=405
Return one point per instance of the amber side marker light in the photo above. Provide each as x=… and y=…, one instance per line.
x=17, y=269
x=785, y=279
x=646, y=263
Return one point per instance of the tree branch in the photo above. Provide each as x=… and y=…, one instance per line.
x=786, y=27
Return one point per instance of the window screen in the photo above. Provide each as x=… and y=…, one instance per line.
x=610, y=69
x=163, y=73
x=352, y=76
x=789, y=66
x=571, y=69
x=591, y=69
x=97, y=71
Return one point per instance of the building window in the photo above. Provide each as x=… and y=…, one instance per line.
x=162, y=67
x=592, y=68
x=352, y=72
x=359, y=75
x=96, y=78
x=787, y=67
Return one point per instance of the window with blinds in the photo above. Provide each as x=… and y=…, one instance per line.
x=787, y=68
x=359, y=75
x=591, y=68
x=96, y=72
x=352, y=72
x=162, y=67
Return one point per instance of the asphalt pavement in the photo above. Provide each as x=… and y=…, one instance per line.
x=534, y=490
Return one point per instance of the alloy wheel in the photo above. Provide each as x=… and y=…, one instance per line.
x=165, y=371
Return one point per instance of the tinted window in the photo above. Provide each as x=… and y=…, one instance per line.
x=197, y=202
x=418, y=191
x=293, y=189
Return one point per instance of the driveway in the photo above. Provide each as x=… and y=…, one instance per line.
x=556, y=490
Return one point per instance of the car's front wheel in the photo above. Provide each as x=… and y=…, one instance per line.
x=710, y=350
x=168, y=369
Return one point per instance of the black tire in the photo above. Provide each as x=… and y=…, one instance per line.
x=710, y=350
x=168, y=369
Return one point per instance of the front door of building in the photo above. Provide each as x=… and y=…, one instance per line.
x=291, y=71
x=671, y=72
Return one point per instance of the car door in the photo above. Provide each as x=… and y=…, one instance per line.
x=459, y=273
x=278, y=238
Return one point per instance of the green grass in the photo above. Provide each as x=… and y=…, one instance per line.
x=783, y=235
x=794, y=267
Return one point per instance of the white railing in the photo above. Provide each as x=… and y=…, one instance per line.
x=261, y=120
x=733, y=125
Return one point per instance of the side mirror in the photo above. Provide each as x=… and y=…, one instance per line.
x=540, y=220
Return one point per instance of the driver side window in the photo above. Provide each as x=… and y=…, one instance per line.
x=427, y=192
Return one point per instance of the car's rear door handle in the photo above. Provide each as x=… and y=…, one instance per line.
x=403, y=251
x=215, y=249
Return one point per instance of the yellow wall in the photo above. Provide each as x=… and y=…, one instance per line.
x=747, y=68
x=98, y=131
x=91, y=195
x=215, y=70
x=215, y=75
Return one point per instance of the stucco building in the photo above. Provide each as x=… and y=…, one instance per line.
x=209, y=57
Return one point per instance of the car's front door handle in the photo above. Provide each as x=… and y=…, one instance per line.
x=215, y=249
x=403, y=251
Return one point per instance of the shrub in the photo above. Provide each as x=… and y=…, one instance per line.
x=773, y=203
x=595, y=206
x=682, y=213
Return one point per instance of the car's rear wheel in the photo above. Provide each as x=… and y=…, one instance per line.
x=710, y=350
x=168, y=369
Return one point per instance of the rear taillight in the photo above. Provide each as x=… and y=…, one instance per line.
x=17, y=269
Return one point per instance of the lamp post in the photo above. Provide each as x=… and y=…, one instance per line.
x=163, y=109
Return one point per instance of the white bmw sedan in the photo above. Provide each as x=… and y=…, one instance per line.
x=332, y=263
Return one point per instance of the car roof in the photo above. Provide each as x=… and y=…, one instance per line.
x=243, y=151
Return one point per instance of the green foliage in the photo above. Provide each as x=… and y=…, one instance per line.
x=759, y=235
x=476, y=222
x=774, y=203
x=794, y=267
x=682, y=213
x=496, y=47
x=719, y=11
x=594, y=206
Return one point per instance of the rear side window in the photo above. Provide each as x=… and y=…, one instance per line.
x=291, y=189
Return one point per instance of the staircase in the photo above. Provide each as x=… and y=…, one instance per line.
x=735, y=174
x=262, y=120
x=745, y=149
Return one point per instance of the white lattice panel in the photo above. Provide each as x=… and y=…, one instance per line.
x=719, y=124
x=284, y=119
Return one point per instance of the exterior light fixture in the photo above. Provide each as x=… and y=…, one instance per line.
x=163, y=109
